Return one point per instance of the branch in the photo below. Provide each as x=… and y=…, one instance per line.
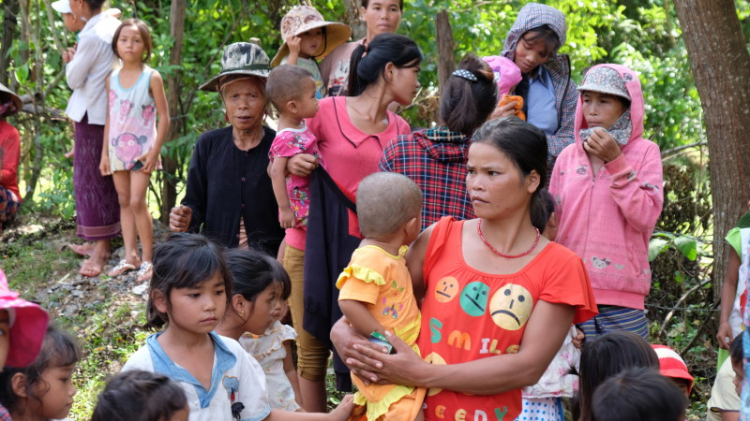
x=677, y=304
x=700, y=331
x=674, y=151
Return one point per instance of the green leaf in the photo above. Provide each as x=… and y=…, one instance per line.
x=688, y=246
x=656, y=247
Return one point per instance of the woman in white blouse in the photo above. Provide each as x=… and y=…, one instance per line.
x=97, y=208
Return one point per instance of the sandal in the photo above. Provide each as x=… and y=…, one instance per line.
x=122, y=267
x=144, y=273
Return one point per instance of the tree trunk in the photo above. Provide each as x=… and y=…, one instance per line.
x=721, y=66
x=10, y=16
x=446, y=46
x=174, y=88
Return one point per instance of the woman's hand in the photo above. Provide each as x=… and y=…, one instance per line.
x=302, y=164
x=349, y=343
x=104, y=167
x=150, y=159
x=506, y=110
x=579, y=338
x=602, y=145
x=404, y=367
x=179, y=218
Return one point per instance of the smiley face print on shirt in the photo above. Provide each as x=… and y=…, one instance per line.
x=474, y=298
x=510, y=306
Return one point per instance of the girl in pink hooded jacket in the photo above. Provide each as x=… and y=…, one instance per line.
x=608, y=189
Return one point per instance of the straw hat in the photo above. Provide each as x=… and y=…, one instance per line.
x=28, y=326
x=240, y=58
x=14, y=97
x=304, y=18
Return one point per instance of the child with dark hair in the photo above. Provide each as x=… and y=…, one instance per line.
x=724, y=403
x=376, y=289
x=638, y=393
x=23, y=325
x=189, y=293
x=607, y=356
x=143, y=396
x=44, y=390
x=435, y=158
x=259, y=296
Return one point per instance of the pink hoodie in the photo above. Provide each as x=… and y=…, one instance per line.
x=608, y=218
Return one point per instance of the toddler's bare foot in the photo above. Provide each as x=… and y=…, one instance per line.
x=70, y=153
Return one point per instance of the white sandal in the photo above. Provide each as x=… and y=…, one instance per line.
x=122, y=267
x=144, y=272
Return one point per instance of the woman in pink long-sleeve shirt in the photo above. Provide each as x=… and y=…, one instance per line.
x=608, y=191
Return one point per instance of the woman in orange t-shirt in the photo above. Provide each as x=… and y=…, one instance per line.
x=498, y=297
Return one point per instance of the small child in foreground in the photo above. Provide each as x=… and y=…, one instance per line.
x=143, y=396
x=260, y=289
x=188, y=293
x=376, y=290
x=23, y=325
x=724, y=403
x=44, y=390
x=639, y=393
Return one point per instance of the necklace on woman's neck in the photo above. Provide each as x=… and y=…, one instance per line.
x=507, y=256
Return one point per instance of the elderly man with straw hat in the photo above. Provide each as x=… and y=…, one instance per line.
x=229, y=196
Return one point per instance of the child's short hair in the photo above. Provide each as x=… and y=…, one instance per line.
x=639, y=393
x=253, y=271
x=736, y=350
x=385, y=202
x=671, y=365
x=285, y=84
x=58, y=350
x=183, y=261
x=145, y=36
x=608, y=355
x=139, y=395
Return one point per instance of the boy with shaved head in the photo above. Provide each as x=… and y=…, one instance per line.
x=376, y=290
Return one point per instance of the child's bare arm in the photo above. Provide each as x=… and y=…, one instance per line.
x=278, y=181
x=728, y=293
x=162, y=129
x=104, y=167
x=293, y=42
x=359, y=316
x=291, y=373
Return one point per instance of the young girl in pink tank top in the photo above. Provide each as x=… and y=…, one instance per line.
x=132, y=140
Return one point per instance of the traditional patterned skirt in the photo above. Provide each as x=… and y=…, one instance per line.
x=97, y=207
